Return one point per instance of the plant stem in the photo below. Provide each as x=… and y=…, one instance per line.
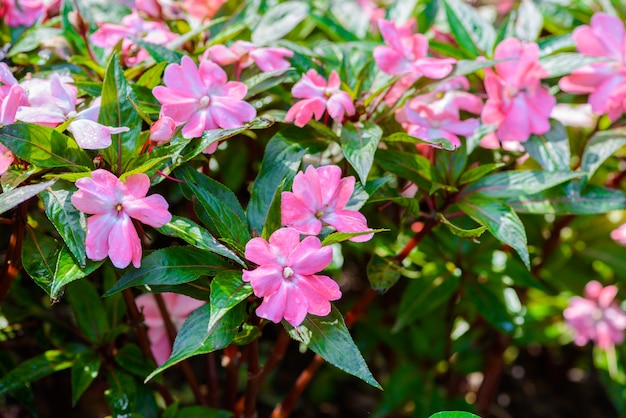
x=252, y=383
x=283, y=409
x=13, y=263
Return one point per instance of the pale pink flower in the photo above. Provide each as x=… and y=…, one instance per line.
x=319, y=96
x=10, y=103
x=202, y=9
x=605, y=82
x=596, y=317
x=6, y=159
x=286, y=278
x=150, y=7
x=619, y=235
x=372, y=9
x=114, y=205
x=162, y=130
x=517, y=102
x=178, y=306
x=406, y=53
x=243, y=54
x=318, y=199
x=133, y=26
x=21, y=12
x=53, y=102
x=202, y=98
x=7, y=79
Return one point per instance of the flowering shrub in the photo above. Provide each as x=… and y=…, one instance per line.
x=419, y=193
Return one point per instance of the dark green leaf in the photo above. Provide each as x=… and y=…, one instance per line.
x=170, y=266
x=600, y=147
x=460, y=232
x=264, y=81
x=133, y=360
x=410, y=166
x=329, y=337
x=69, y=222
x=202, y=412
x=514, y=183
x=32, y=38
x=337, y=237
x=43, y=146
x=34, y=369
x=437, y=143
x=279, y=21
x=84, y=371
x=218, y=207
x=197, y=236
x=382, y=273
x=274, y=215
x=88, y=310
x=479, y=172
x=453, y=414
x=472, y=31
x=359, y=142
x=491, y=304
x=122, y=393
x=193, y=339
x=361, y=194
x=501, y=221
x=227, y=291
x=12, y=198
x=117, y=110
x=551, y=150
x=159, y=52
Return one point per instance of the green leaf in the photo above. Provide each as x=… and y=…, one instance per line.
x=51, y=264
x=197, y=236
x=529, y=21
x=382, y=273
x=133, y=360
x=68, y=221
x=359, y=142
x=361, y=194
x=159, y=52
x=227, y=291
x=84, y=371
x=43, y=146
x=337, y=237
x=262, y=82
x=460, y=232
x=600, y=147
x=410, y=166
x=404, y=137
x=12, y=198
x=283, y=154
x=453, y=414
x=121, y=394
x=551, y=150
x=34, y=369
x=117, y=110
x=152, y=76
x=170, y=266
x=472, y=31
x=479, y=172
x=564, y=63
x=424, y=295
x=490, y=303
x=193, y=339
x=329, y=337
x=501, y=221
x=279, y=21
x=202, y=412
x=32, y=38
x=518, y=182
x=273, y=221
x=218, y=207
x=88, y=310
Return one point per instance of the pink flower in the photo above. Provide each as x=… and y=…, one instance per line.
x=605, y=82
x=437, y=114
x=162, y=130
x=517, y=102
x=10, y=103
x=286, y=278
x=203, y=98
x=202, y=9
x=133, y=26
x=619, y=235
x=596, y=317
x=319, y=96
x=114, y=204
x=245, y=53
x=178, y=306
x=406, y=53
x=20, y=12
x=6, y=159
x=318, y=199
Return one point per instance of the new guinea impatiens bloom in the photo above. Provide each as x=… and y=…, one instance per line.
x=619, y=235
x=605, y=82
x=517, y=102
x=21, y=12
x=202, y=98
x=178, y=306
x=243, y=54
x=319, y=96
x=114, y=204
x=596, y=317
x=318, y=199
x=286, y=276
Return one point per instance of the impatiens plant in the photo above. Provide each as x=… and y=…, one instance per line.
x=203, y=202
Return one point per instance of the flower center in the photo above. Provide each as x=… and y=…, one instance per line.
x=288, y=272
x=205, y=101
x=119, y=207
x=597, y=315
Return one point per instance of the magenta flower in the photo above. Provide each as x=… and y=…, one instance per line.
x=243, y=54
x=114, y=205
x=20, y=12
x=202, y=98
x=596, y=317
x=6, y=159
x=406, y=53
x=605, y=82
x=286, y=278
x=517, y=102
x=319, y=96
x=318, y=199
x=178, y=306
